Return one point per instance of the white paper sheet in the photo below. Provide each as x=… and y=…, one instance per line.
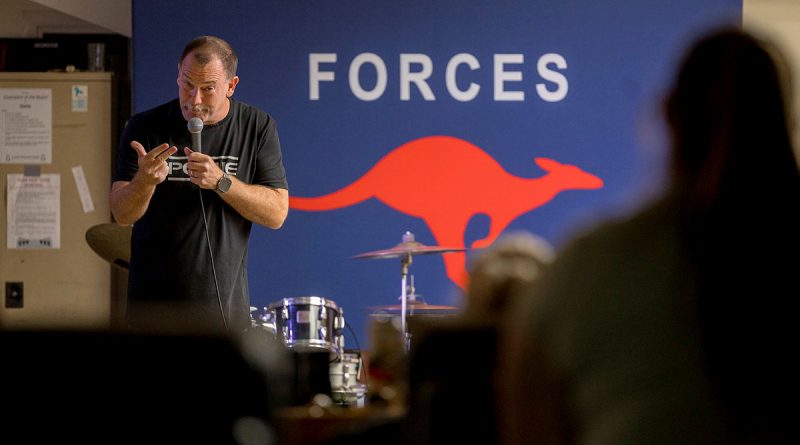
x=34, y=211
x=83, y=189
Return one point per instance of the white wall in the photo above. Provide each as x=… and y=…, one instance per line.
x=32, y=18
x=779, y=21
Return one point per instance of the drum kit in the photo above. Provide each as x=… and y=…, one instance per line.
x=311, y=323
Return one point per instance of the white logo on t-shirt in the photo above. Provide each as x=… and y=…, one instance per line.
x=178, y=166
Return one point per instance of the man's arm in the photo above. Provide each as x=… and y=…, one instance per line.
x=263, y=205
x=129, y=199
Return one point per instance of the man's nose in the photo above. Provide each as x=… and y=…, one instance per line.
x=196, y=96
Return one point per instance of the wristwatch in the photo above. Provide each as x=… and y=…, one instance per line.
x=223, y=184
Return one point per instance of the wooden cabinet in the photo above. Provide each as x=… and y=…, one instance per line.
x=69, y=286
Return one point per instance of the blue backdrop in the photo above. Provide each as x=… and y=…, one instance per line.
x=574, y=81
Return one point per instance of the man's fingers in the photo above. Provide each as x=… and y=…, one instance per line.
x=162, y=152
x=139, y=148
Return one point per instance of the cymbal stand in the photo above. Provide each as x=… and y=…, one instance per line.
x=405, y=263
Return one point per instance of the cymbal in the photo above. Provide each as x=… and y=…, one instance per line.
x=112, y=242
x=407, y=248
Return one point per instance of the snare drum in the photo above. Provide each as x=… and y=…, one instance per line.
x=308, y=323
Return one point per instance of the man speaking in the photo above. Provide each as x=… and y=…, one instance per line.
x=192, y=209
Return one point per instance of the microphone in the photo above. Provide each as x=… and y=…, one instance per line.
x=195, y=126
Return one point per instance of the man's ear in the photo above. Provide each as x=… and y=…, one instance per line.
x=232, y=86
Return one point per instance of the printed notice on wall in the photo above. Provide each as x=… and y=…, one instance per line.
x=34, y=211
x=80, y=98
x=26, y=126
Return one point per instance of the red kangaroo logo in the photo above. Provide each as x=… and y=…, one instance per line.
x=446, y=181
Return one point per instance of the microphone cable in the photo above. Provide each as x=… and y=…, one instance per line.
x=195, y=127
x=211, y=255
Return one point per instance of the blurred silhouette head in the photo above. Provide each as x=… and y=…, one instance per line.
x=728, y=117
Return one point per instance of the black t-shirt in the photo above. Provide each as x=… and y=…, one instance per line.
x=171, y=278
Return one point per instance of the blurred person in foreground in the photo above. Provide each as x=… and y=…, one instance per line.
x=673, y=325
